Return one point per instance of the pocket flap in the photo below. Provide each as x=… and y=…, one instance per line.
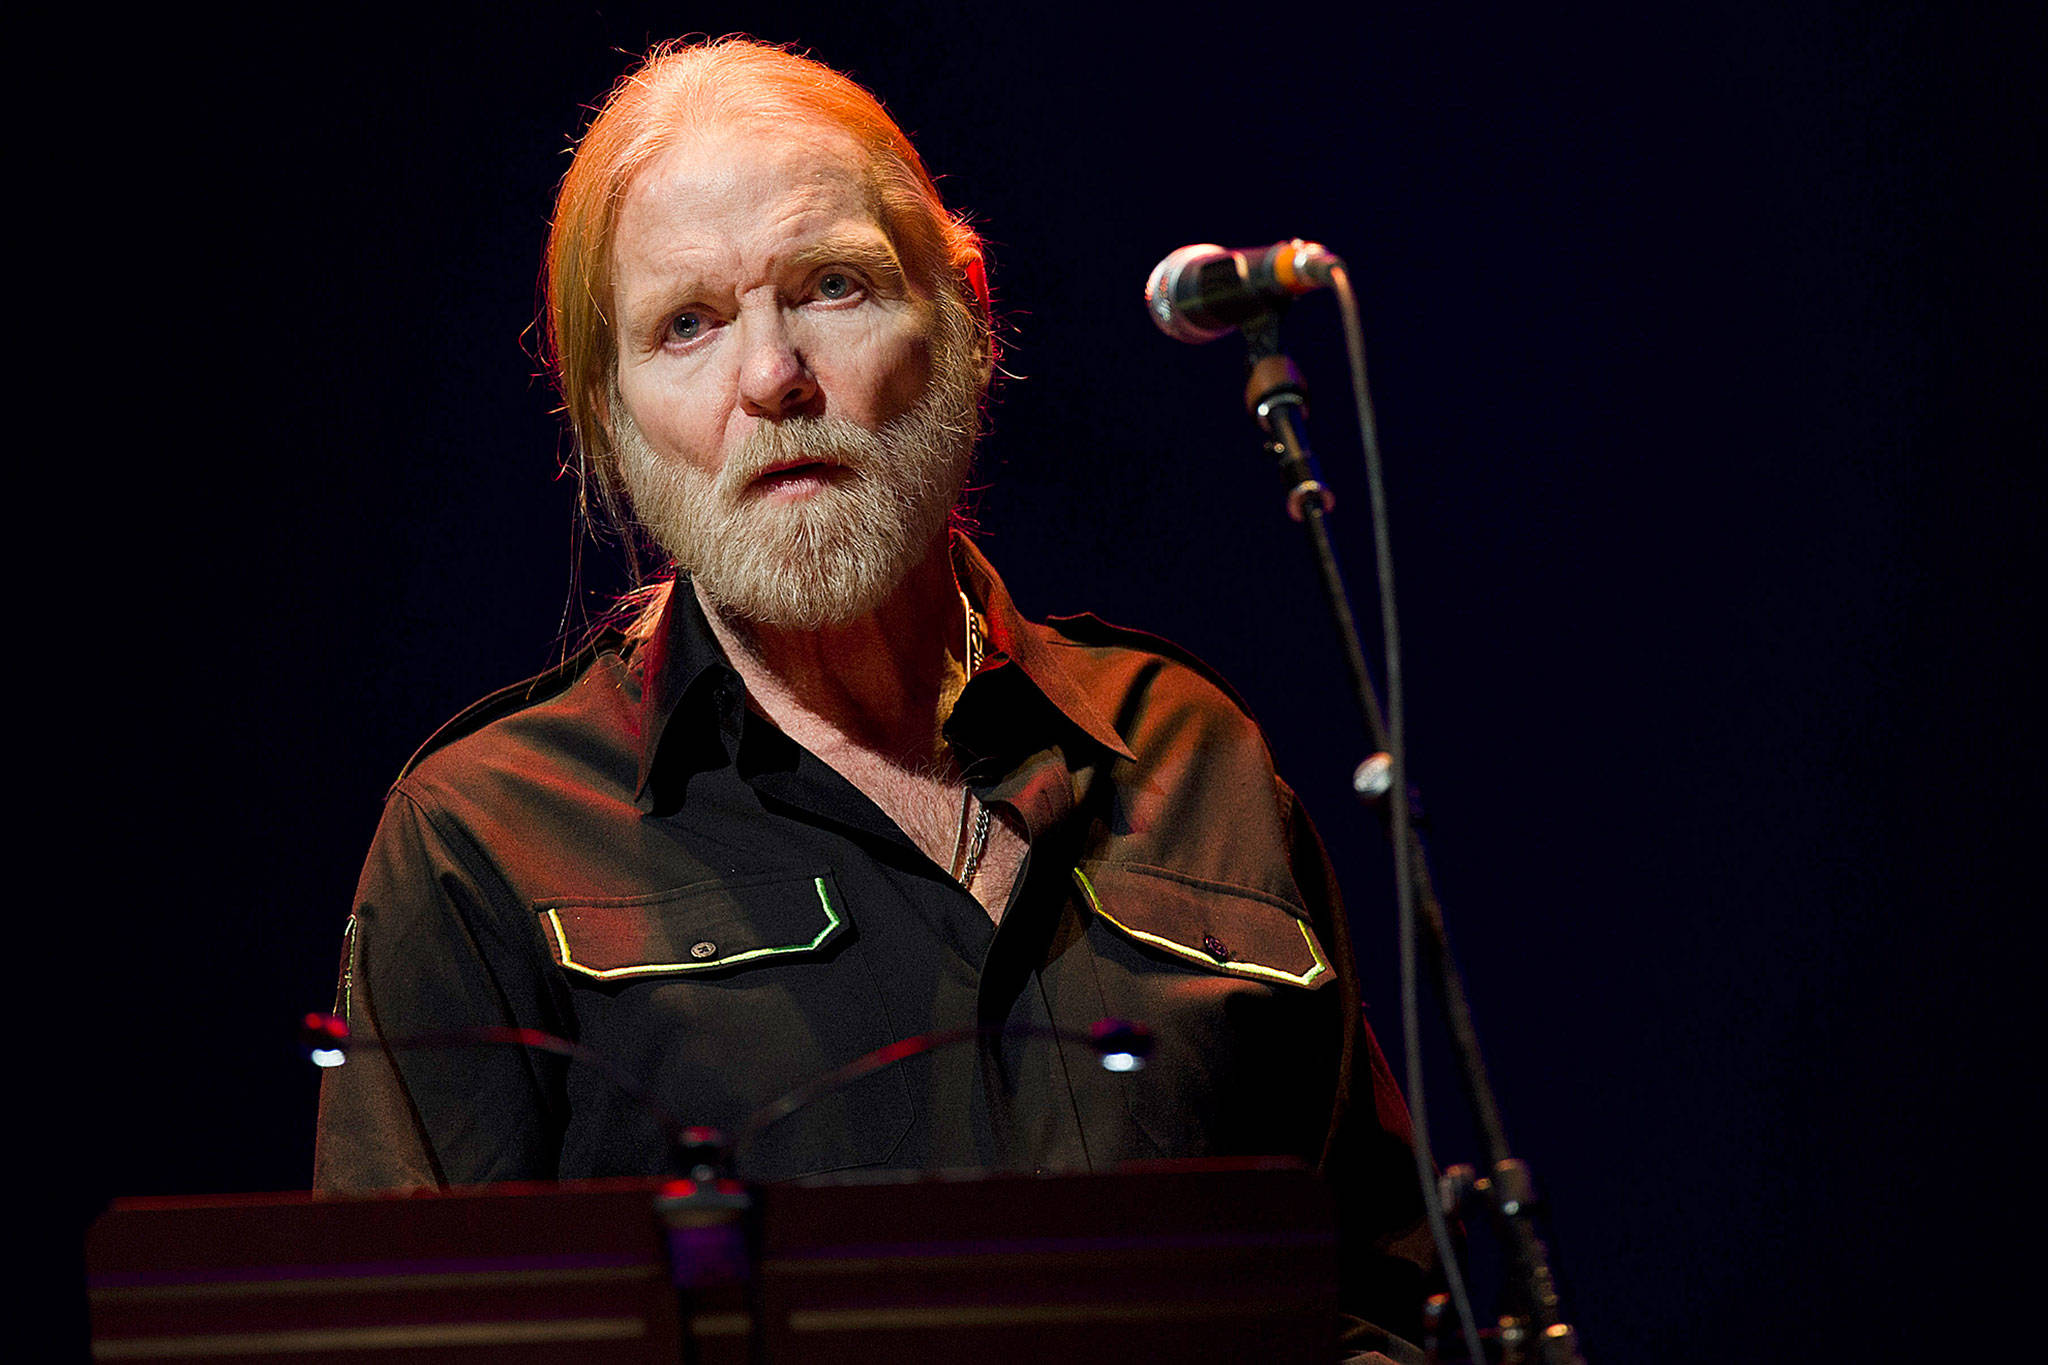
x=709, y=927
x=1229, y=929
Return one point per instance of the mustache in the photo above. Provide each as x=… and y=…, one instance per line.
x=799, y=440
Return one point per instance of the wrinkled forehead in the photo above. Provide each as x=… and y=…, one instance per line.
x=732, y=146
x=747, y=199
x=895, y=189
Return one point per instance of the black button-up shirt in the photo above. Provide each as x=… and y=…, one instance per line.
x=624, y=854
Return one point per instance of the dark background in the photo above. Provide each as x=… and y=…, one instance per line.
x=1706, y=353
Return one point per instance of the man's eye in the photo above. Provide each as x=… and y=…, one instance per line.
x=687, y=327
x=835, y=285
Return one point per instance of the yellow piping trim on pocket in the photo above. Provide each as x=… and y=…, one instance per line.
x=832, y=921
x=1182, y=950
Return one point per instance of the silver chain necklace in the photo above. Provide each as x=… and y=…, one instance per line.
x=978, y=843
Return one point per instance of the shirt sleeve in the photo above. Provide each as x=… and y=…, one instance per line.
x=1387, y=1263
x=437, y=944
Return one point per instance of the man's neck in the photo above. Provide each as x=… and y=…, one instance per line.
x=881, y=683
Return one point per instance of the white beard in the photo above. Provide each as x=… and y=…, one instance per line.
x=836, y=554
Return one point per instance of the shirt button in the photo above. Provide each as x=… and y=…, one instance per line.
x=703, y=949
x=1215, y=947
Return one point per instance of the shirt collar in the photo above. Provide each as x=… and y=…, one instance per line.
x=1031, y=647
x=681, y=666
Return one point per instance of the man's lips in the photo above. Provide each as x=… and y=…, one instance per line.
x=798, y=475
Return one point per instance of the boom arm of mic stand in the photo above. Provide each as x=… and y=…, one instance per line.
x=1275, y=396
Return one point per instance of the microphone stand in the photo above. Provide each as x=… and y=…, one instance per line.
x=1275, y=396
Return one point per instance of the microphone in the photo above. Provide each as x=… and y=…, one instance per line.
x=1202, y=291
x=1119, y=1045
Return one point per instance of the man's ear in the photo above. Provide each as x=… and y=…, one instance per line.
x=974, y=274
x=975, y=271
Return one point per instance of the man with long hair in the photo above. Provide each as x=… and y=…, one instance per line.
x=825, y=788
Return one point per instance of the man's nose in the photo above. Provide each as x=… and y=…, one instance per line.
x=775, y=380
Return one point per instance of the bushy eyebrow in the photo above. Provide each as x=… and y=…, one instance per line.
x=873, y=256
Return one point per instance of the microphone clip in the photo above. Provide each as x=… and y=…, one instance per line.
x=1277, y=396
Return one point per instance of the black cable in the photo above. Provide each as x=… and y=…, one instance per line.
x=1420, y=913
x=327, y=1032
x=1401, y=817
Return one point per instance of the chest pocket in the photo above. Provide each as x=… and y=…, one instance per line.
x=1226, y=929
x=710, y=928
x=1235, y=987
x=722, y=997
